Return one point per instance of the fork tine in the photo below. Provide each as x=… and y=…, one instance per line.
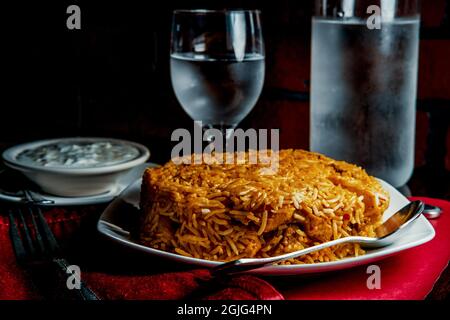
x=16, y=241
x=26, y=233
x=38, y=236
x=47, y=234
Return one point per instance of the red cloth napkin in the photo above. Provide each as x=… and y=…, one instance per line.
x=180, y=285
x=16, y=284
x=409, y=275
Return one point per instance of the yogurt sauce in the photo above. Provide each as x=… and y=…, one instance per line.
x=79, y=154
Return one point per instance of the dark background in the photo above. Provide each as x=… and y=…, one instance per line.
x=111, y=78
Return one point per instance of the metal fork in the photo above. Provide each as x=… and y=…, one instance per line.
x=34, y=244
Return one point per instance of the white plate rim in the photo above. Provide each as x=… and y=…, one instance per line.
x=106, y=227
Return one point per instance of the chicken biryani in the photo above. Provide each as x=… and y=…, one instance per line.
x=223, y=212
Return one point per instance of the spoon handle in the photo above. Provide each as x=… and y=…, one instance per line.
x=432, y=212
x=245, y=264
x=31, y=197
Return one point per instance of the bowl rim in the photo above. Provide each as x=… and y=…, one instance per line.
x=10, y=154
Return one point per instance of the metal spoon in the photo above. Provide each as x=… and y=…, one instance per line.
x=386, y=233
x=34, y=198
x=432, y=212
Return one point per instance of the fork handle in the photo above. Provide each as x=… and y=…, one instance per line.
x=84, y=293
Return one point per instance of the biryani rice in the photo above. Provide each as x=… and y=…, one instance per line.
x=223, y=212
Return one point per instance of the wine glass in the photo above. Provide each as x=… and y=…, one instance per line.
x=217, y=64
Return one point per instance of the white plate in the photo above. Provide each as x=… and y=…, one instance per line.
x=113, y=224
x=124, y=182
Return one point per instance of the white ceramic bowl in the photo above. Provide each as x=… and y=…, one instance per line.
x=72, y=181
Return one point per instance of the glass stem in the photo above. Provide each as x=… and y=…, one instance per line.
x=217, y=136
